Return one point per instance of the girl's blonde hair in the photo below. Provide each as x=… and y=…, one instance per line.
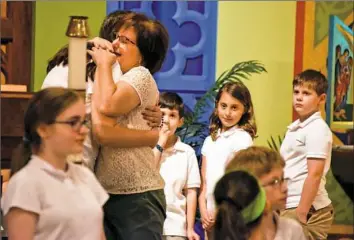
x=247, y=122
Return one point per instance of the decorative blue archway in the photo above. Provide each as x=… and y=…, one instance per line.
x=189, y=68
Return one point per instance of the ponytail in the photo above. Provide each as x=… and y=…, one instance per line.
x=241, y=202
x=229, y=223
x=20, y=157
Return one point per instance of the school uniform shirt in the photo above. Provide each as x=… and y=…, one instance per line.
x=68, y=204
x=218, y=154
x=180, y=171
x=311, y=138
x=59, y=77
x=288, y=229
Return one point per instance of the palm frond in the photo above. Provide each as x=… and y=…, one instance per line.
x=272, y=143
x=239, y=72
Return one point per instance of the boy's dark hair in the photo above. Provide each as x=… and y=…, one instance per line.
x=172, y=101
x=313, y=79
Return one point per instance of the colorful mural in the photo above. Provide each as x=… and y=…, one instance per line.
x=339, y=113
x=311, y=51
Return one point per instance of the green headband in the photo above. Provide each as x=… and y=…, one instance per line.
x=255, y=208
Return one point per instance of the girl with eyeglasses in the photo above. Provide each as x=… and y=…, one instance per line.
x=48, y=197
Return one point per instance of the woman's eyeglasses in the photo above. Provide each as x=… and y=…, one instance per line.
x=75, y=124
x=124, y=39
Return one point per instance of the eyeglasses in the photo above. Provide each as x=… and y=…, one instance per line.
x=75, y=124
x=124, y=39
x=277, y=182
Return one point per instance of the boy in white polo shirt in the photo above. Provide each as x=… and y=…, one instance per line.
x=306, y=150
x=180, y=171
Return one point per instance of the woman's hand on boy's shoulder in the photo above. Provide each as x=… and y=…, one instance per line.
x=153, y=116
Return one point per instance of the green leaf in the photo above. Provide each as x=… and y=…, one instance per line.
x=272, y=143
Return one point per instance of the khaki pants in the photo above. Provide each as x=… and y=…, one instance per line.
x=318, y=222
x=208, y=235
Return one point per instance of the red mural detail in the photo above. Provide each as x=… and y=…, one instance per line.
x=299, y=40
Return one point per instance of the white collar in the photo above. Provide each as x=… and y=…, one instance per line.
x=38, y=162
x=178, y=146
x=228, y=133
x=297, y=124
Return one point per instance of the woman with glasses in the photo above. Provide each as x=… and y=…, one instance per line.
x=48, y=197
x=57, y=76
x=136, y=207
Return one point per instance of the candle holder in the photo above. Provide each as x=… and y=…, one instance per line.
x=78, y=33
x=78, y=27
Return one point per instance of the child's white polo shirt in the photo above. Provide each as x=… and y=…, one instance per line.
x=68, y=204
x=180, y=171
x=309, y=139
x=218, y=154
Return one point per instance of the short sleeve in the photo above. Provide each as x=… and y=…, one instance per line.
x=57, y=77
x=193, y=178
x=318, y=142
x=242, y=140
x=143, y=83
x=206, y=146
x=22, y=192
x=116, y=72
x=98, y=191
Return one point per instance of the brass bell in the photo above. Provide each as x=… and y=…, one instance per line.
x=78, y=27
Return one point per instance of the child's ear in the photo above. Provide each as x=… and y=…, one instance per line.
x=323, y=98
x=43, y=130
x=181, y=121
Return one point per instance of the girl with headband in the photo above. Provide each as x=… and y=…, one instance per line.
x=241, y=209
